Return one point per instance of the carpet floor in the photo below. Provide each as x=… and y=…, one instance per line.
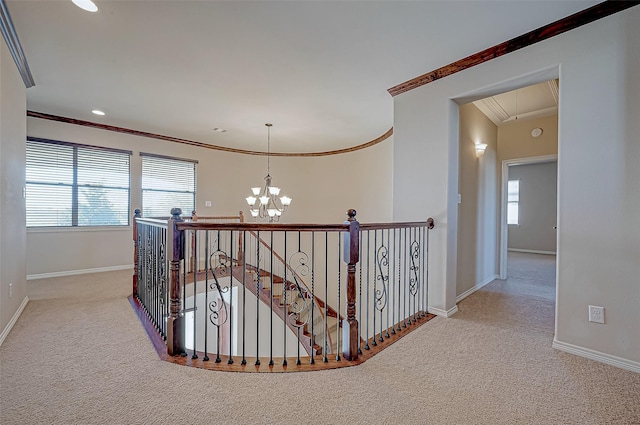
x=78, y=355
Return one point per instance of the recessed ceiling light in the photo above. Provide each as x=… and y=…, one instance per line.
x=220, y=130
x=87, y=5
x=98, y=112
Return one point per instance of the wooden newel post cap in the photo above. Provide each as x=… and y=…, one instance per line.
x=352, y=214
x=176, y=212
x=430, y=223
x=137, y=212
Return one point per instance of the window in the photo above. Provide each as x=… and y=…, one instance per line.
x=167, y=183
x=71, y=185
x=513, y=199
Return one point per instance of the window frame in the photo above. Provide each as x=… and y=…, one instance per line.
x=516, y=202
x=144, y=190
x=77, y=187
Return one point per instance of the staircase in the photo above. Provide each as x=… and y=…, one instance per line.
x=293, y=304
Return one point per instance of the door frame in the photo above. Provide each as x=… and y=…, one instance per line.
x=504, y=227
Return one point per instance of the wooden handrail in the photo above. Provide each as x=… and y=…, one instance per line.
x=190, y=225
x=396, y=225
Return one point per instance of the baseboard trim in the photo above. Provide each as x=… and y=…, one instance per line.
x=443, y=313
x=597, y=356
x=13, y=320
x=532, y=251
x=468, y=292
x=76, y=272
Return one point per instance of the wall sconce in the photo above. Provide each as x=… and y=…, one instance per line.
x=480, y=148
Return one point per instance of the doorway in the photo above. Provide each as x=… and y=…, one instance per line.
x=528, y=207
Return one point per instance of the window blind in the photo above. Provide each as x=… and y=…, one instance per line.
x=167, y=183
x=70, y=185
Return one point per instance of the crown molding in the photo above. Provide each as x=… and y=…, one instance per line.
x=492, y=109
x=13, y=43
x=553, y=87
x=569, y=23
x=132, y=132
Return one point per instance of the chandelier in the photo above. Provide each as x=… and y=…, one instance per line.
x=265, y=203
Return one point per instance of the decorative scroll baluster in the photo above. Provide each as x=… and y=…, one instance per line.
x=382, y=262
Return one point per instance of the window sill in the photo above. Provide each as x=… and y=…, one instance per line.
x=79, y=229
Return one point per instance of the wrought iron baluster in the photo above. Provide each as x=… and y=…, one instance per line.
x=271, y=363
x=339, y=301
x=406, y=267
x=195, y=295
x=258, y=282
x=206, y=292
x=244, y=295
x=313, y=295
x=375, y=288
x=396, y=325
x=231, y=261
x=285, y=289
x=396, y=288
x=390, y=284
x=366, y=347
x=325, y=359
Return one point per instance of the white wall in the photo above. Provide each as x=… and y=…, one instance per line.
x=598, y=173
x=12, y=212
x=537, y=207
x=515, y=140
x=12, y=209
x=478, y=212
x=322, y=188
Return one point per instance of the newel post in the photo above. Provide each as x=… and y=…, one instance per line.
x=136, y=214
x=351, y=257
x=175, y=322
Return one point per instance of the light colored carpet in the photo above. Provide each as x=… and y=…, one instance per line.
x=79, y=356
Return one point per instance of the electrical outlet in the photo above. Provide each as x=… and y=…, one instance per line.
x=207, y=203
x=596, y=314
x=10, y=290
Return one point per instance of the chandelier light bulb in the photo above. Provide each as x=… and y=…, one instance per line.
x=274, y=190
x=286, y=201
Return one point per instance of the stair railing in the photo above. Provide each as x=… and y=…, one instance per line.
x=370, y=280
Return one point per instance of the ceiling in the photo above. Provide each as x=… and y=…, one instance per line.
x=319, y=71
x=533, y=101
